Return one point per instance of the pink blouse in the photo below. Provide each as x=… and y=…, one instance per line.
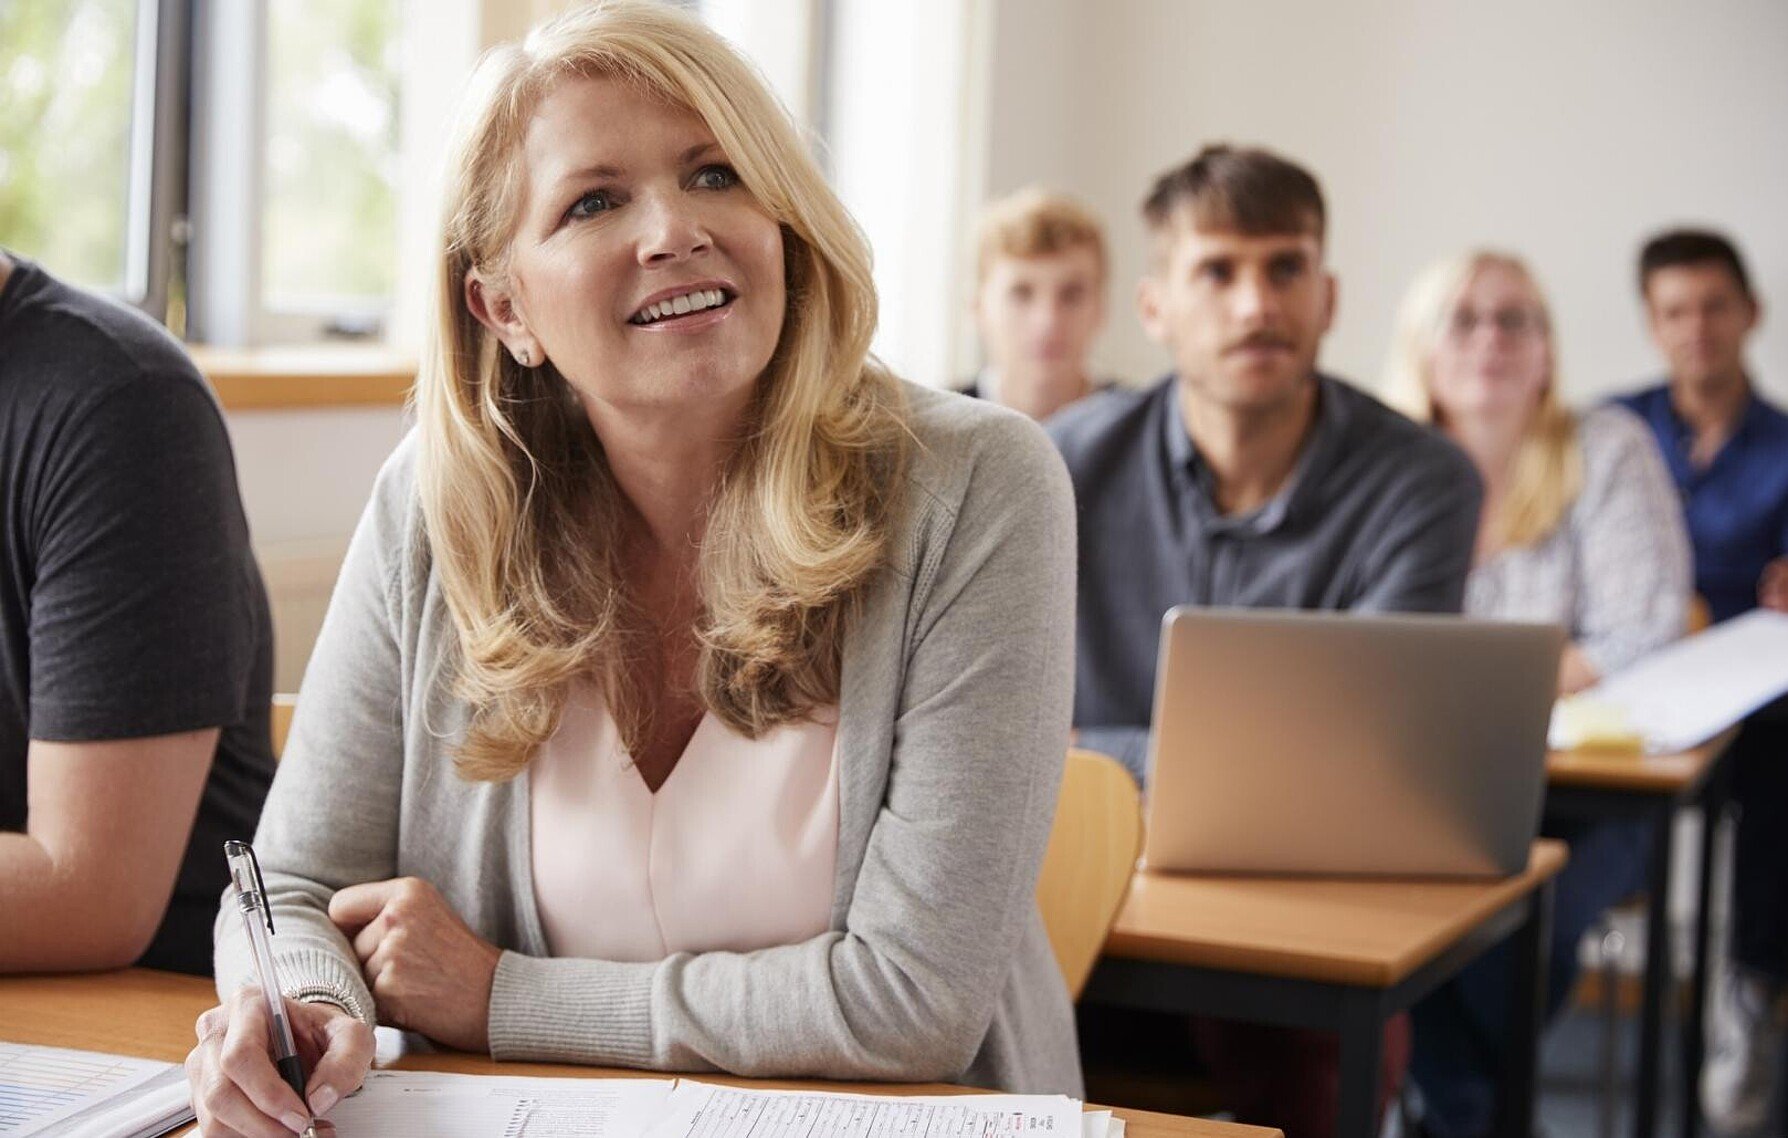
x=734, y=852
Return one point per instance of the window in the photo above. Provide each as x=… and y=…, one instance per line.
x=289, y=200
x=70, y=71
x=328, y=221
x=297, y=242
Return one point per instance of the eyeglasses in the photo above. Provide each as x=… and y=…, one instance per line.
x=1515, y=323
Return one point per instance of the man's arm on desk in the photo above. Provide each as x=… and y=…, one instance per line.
x=86, y=884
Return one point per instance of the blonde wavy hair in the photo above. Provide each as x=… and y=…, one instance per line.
x=525, y=521
x=1546, y=472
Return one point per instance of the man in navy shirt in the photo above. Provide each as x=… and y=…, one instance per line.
x=1727, y=448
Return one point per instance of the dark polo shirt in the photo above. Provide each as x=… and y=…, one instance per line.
x=1380, y=514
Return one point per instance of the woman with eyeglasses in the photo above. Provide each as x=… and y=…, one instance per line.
x=1580, y=526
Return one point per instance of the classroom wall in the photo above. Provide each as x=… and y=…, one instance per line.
x=1566, y=132
x=305, y=477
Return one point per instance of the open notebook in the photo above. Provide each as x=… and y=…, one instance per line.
x=52, y=1092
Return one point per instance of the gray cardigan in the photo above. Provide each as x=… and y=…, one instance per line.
x=953, y=726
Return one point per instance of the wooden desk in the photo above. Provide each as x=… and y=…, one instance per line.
x=1338, y=955
x=151, y=1014
x=1637, y=773
x=1600, y=786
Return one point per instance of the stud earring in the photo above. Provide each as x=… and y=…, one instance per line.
x=525, y=358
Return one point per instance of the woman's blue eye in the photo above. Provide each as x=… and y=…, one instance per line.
x=716, y=178
x=594, y=202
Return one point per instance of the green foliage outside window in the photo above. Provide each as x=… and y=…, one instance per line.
x=332, y=133
x=67, y=68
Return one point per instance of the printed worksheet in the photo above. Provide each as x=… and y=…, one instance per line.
x=418, y=1104
x=702, y=1110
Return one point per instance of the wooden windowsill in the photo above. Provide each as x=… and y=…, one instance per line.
x=333, y=375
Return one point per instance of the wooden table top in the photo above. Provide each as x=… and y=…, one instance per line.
x=1634, y=770
x=151, y=1014
x=1371, y=933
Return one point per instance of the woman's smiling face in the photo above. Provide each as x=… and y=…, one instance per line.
x=641, y=267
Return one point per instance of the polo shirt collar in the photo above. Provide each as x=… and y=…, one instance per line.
x=1193, y=477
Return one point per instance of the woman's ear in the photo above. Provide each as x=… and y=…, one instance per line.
x=493, y=306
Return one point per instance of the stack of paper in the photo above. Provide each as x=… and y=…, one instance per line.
x=406, y=1104
x=48, y=1092
x=51, y=1091
x=1687, y=693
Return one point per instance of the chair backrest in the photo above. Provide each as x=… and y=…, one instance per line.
x=1700, y=614
x=284, y=704
x=1092, y=852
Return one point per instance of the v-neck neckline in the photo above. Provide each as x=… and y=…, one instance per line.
x=683, y=756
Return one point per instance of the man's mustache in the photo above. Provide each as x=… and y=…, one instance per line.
x=1260, y=340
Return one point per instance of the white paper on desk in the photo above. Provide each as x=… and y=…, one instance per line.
x=43, y=1087
x=426, y=1104
x=703, y=1110
x=1688, y=692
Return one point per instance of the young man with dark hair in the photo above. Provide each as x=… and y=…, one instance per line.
x=136, y=657
x=1040, y=283
x=1247, y=478
x=1727, y=448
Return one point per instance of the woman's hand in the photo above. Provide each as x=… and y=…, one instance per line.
x=1772, y=588
x=427, y=970
x=237, y=1092
x=1575, y=672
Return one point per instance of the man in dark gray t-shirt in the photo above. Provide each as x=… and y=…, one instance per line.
x=135, y=641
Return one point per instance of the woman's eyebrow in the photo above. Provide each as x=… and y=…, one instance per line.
x=608, y=170
x=595, y=170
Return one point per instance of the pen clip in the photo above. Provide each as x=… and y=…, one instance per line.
x=250, y=887
x=260, y=887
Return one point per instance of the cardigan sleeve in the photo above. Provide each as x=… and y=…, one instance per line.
x=331, y=817
x=908, y=988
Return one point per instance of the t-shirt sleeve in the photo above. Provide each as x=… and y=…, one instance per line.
x=141, y=621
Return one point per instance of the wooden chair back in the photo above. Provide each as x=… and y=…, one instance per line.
x=284, y=704
x=1092, y=852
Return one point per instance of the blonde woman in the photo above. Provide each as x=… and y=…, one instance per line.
x=1580, y=523
x=1580, y=526
x=695, y=693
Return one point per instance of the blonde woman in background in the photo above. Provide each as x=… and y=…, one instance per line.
x=695, y=693
x=1580, y=526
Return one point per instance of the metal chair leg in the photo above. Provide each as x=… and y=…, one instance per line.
x=1613, y=942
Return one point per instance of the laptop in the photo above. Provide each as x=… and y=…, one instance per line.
x=1334, y=744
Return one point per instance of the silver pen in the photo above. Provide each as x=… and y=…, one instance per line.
x=257, y=921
